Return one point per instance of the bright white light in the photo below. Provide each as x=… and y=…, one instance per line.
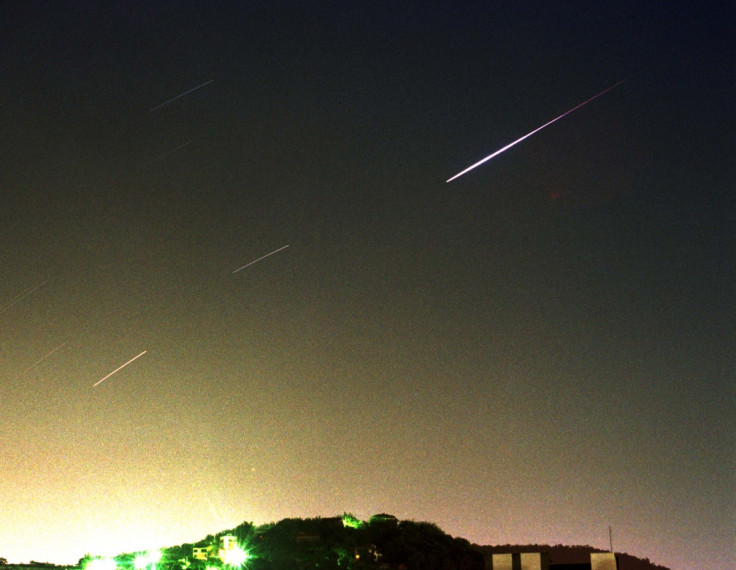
x=150, y=558
x=236, y=557
x=101, y=564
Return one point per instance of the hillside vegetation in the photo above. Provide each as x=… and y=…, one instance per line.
x=339, y=543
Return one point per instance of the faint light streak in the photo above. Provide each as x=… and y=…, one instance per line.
x=182, y=95
x=39, y=361
x=167, y=153
x=508, y=146
x=22, y=296
x=260, y=258
x=119, y=368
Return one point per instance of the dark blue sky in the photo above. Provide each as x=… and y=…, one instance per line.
x=531, y=353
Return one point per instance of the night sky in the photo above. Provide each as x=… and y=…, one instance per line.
x=535, y=351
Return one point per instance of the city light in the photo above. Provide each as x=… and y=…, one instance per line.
x=350, y=521
x=236, y=557
x=143, y=561
x=101, y=564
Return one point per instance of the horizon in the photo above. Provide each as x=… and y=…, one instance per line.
x=268, y=525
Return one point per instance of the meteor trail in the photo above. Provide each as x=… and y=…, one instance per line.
x=167, y=153
x=182, y=95
x=39, y=361
x=120, y=368
x=508, y=146
x=257, y=260
x=21, y=296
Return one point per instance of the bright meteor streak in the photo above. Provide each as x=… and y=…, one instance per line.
x=508, y=146
x=119, y=368
x=257, y=260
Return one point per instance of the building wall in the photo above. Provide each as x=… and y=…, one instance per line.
x=200, y=553
x=603, y=561
x=540, y=561
x=534, y=561
x=228, y=542
x=518, y=561
x=502, y=562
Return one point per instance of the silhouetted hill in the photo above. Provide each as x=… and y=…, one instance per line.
x=339, y=543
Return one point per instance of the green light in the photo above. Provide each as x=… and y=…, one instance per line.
x=349, y=520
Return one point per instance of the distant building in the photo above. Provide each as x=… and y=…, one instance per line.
x=501, y=562
x=201, y=552
x=534, y=560
x=519, y=561
x=307, y=537
x=540, y=561
x=384, y=518
x=228, y=542
x=603, y=561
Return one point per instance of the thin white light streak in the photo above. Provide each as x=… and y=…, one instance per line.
x=119, y=368
x=259, y=259
x=39, y=361
x=508, y=146
x=167, y=153
x=22, y=296
x=182, y=95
